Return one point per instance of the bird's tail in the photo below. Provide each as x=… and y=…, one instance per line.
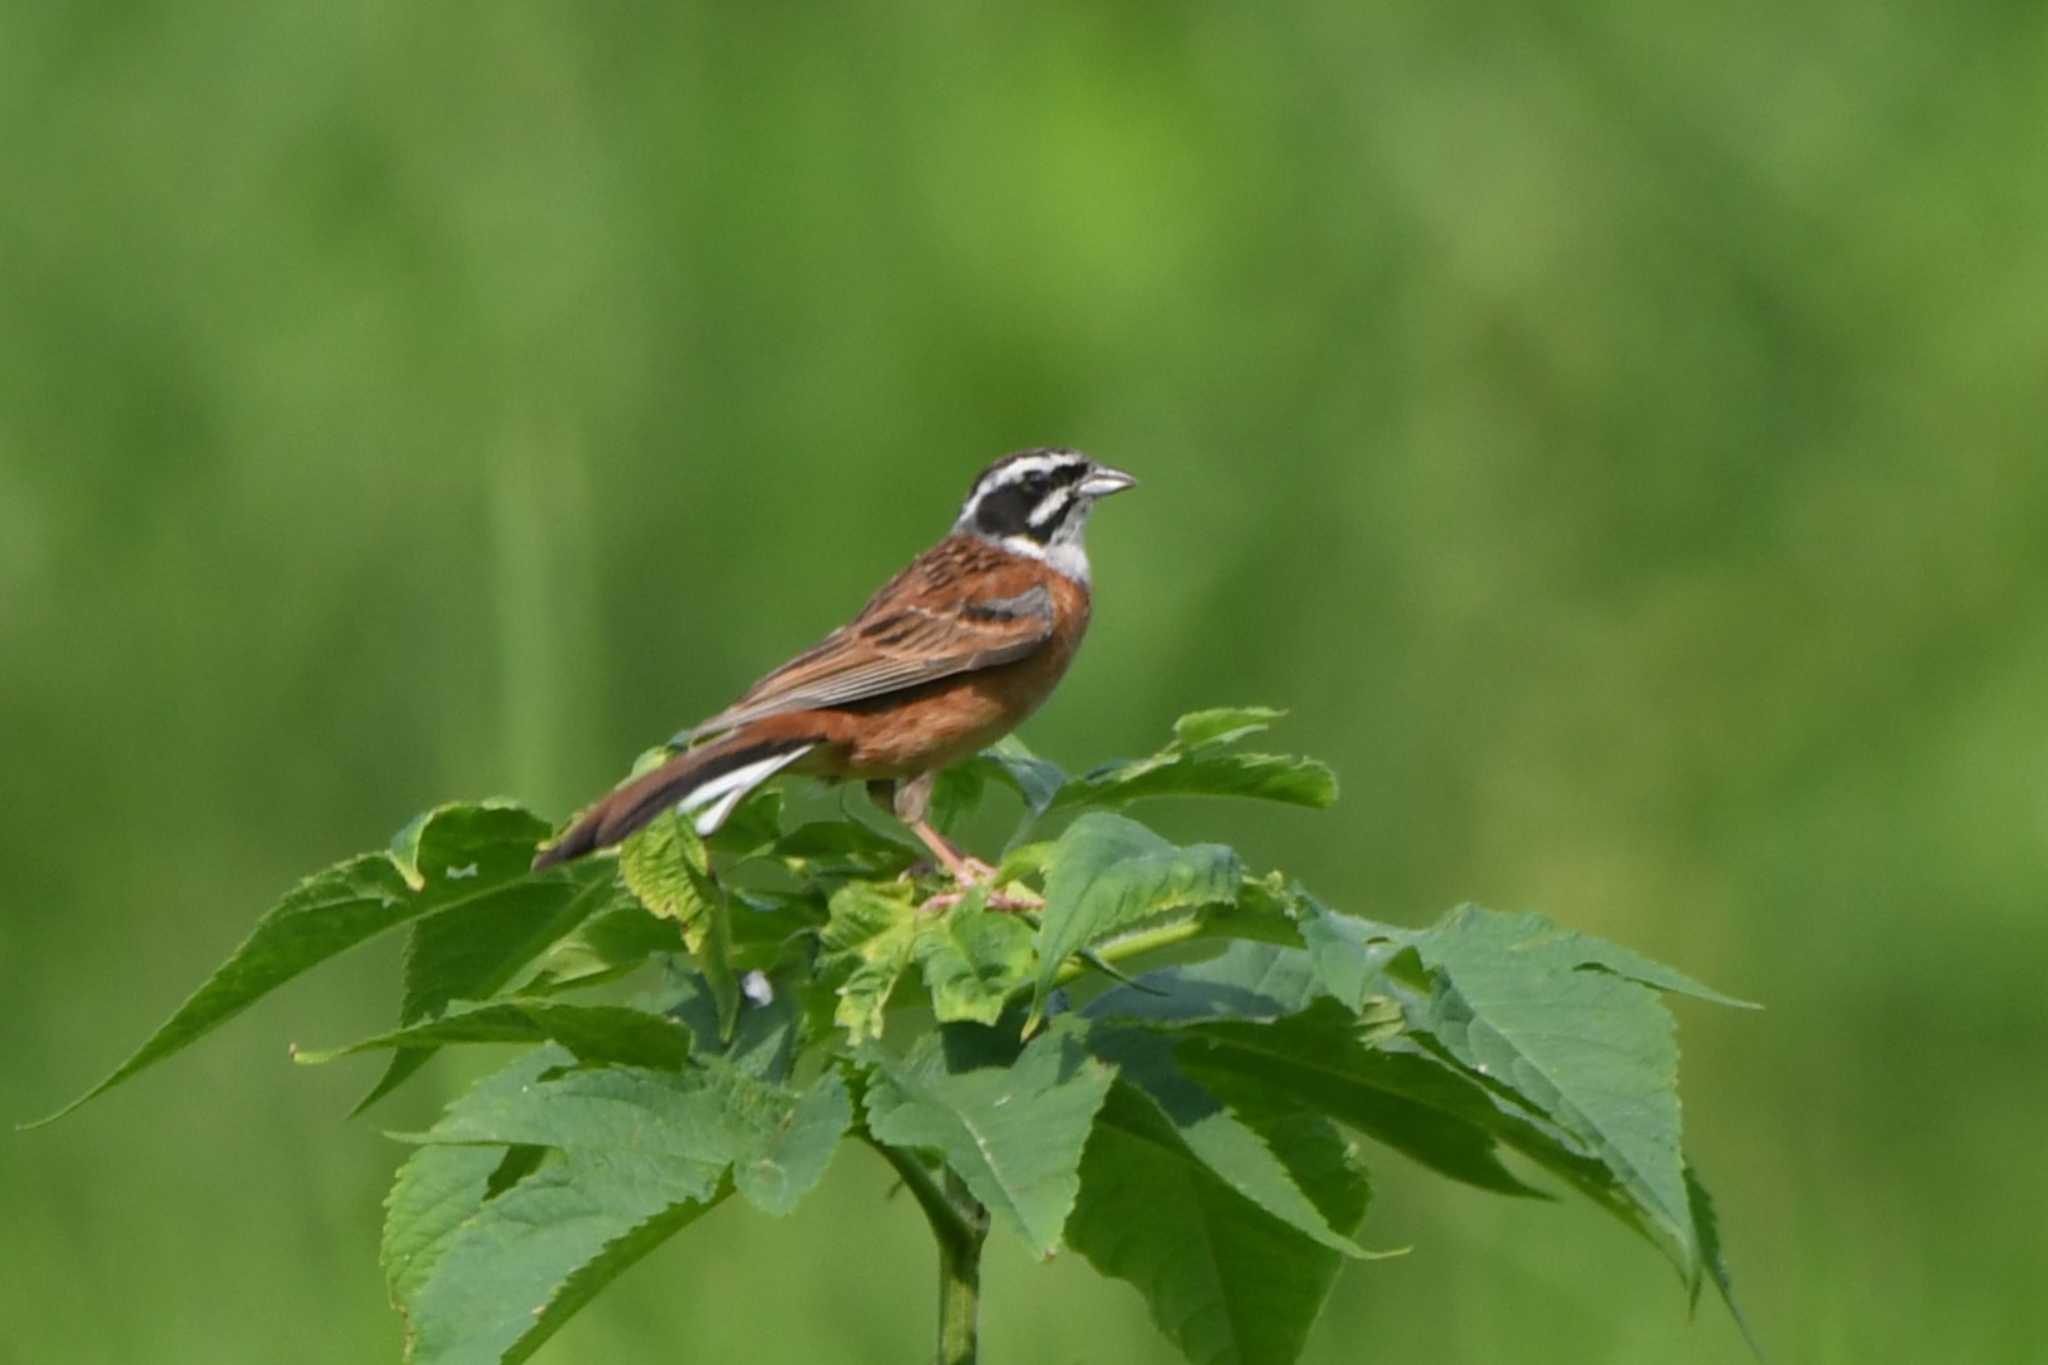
x=705, y=783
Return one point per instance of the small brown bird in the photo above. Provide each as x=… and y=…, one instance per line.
x=951, y=655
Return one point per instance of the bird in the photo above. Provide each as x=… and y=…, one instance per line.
x=947, y=657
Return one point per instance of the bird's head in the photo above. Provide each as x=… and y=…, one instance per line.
x=1036, y=503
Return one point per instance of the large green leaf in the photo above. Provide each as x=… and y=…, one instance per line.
x=1260, y=981
x=1591, y=1051
x=1210, y=1134
x=1109, y=875
x=1199, y=761
x=1407, y=1100
x=540, y=1186
x=1226, y=1280
x=593, y=1033
x=1014, y=1133
x=470, y=859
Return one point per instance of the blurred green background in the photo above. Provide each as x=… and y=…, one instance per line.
x=1615, y=433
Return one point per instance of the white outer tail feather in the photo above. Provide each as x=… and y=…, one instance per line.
x=713, y=801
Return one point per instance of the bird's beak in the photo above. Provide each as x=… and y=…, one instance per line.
x=1101, y=481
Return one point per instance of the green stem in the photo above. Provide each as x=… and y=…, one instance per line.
x=960, y=1280
x=960, y=1226
x=1144, y=941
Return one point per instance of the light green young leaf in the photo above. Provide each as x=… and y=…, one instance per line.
x=467, y=858
x=1109, y=874
x=973, y=959
x=664, y=864
x=1223, y=725
x=593, y=1033
x=1227, y=1281
x=1013, y=1133
x=869, y=937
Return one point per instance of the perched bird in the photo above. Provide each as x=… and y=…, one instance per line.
x=948, y=657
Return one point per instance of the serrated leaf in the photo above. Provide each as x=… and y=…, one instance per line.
x=494, y=1284
x=1591, y=1051
x=664, y=864
x=592, y=1033
x=1199, y=762
x=471, y=858
x=1525, y=933
x=1210, y=1134
x=1108, y=875
x=681, y=1131
x=869, y=937
x=1405, y=1099
x=488, y=1250
x=1713, y=1260
x=1013, y=1133
x=1228, y=1282
x=973, y=959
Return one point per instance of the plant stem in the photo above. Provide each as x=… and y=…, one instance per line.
x=960, y=1226
x=960, y=1279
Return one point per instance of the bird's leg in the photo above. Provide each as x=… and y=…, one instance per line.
x=912, y=802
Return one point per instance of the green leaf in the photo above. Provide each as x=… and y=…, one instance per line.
x=1211, y=1135
x=593, y=1033
x=467, y=858
x=682, y=1131
x=460, y=955
x=1036, y=780
x=488, y=1250
x=869, y=937
x=1014, y=1133
x=1109, y=874
x=1712, y=1260
x=1197, y=762
x=1412, y=1102
x=665, y=866
x=1227, y=1281
x=973, y=959
x=1592, y=1051
x=1223, y=725
x=1245, y=981
x=610, y=944
x=1472, y=928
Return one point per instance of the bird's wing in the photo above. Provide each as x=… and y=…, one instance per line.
x=946, y=614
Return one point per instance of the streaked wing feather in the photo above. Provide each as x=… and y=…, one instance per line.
x=894, y=644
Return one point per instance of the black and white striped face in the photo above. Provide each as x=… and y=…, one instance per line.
x=1036, y=503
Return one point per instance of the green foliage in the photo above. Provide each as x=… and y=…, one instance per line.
x=1201, y=1131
